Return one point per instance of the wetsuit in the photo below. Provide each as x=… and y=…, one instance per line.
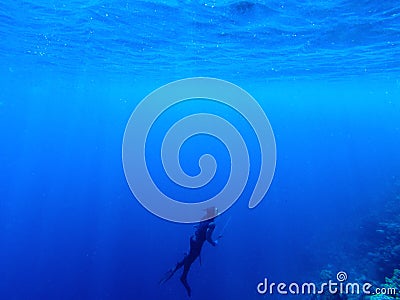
x=203, y=233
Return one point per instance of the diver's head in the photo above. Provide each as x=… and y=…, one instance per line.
x=211, y=213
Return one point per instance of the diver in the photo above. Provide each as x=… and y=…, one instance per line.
x=204, y=231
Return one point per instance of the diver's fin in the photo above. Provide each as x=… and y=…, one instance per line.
x=167, y=276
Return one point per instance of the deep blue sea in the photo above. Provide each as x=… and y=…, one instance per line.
x=326, y=74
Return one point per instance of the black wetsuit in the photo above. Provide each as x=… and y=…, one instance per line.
x=203, y=233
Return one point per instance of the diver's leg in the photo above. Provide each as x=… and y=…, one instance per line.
x=184, y=280
x=186, y=269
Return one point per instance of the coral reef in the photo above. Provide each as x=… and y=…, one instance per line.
x=325, y=276
x=376, y=256
x=391, y=288
x=387, y=254
x=381, y=238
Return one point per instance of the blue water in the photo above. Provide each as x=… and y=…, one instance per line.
x=71, y=73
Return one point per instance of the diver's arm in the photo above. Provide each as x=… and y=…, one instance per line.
x=209, y=233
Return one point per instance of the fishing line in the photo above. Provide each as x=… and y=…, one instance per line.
x=225, y=226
